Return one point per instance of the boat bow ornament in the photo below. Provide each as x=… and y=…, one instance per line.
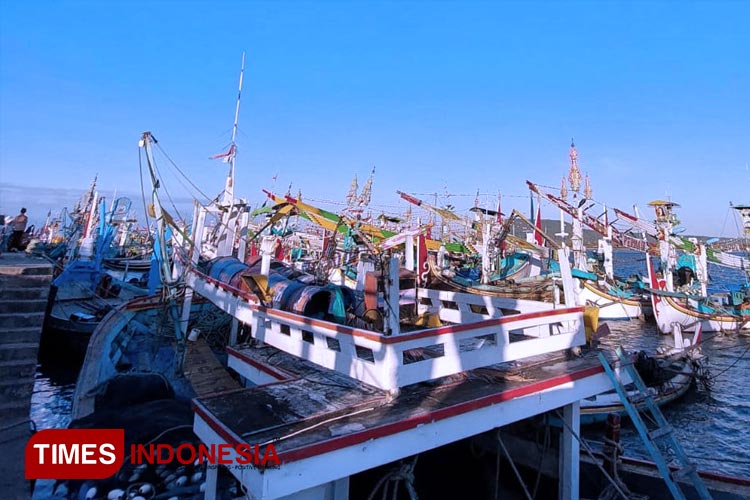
x=618, y=237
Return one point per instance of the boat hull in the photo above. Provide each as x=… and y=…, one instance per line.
x=71, y=317
x=611, y=307
x=595, y=410
x=670, y=310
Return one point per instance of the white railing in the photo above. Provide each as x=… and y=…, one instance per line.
x=390, y=362
x=457, y=307
x=495, y=330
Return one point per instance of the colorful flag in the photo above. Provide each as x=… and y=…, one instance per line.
x=422, y=265
x=538, y=224
x=499, y=213
x=225, y=157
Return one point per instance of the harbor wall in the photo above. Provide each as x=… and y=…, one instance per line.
x=24, y=286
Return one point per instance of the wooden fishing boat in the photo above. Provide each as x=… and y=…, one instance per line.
x=668, y=379
x=142, y=368
x=691, y=312
x=602, y=289
x=539, y=288
x=387, y=375
x=445, y=334
x=679, y=295
x=614, y=303
x=74, y=310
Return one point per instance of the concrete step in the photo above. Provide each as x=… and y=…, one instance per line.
x=12, y=406
x=16, y=425
x=21, y=320
x=25, y=334
x=24, y=293
x=18, y=392
x=12, y=483
x=18, y=351
x=18, y=369
x=32, y=267
x=19, y=281
x=23, y=306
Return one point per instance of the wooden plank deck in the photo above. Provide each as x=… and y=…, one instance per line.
x=316, y=410
x=203, y=370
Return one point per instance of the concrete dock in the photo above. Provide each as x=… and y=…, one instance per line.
x=24, y=286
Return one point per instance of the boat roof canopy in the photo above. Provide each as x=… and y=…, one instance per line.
x=662, y=203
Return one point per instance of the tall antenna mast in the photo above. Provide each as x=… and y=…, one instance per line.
x=239, y=93
x=229, y=188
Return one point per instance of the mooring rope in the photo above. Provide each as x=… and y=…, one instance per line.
x=590, y=452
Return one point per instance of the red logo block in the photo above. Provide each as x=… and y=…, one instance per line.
x=75, y=453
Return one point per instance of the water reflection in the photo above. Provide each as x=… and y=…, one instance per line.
x=53, y=393
x=51, y=407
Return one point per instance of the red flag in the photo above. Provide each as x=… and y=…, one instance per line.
x=538, y=233
x=422, y=266
x=224, y=156
x=279, y=254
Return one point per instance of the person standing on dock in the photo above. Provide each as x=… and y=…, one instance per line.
x=19, y=226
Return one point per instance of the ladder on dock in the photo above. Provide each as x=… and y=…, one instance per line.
x=663, y=431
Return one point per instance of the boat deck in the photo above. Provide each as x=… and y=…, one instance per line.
x=332, y=426
x=203, y=370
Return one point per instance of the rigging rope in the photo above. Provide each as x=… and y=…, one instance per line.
x=182, y=173
x=590, y=452
x=740, y=358
x=513, y=466
x=404, y=473
x=143, y=193
x=164, y=188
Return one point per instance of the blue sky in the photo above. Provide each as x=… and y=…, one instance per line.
x=435, y=95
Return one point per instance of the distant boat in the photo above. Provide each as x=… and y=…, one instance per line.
x=533, y=288
x=692, y=311
x=680, y=294
x=83, y=293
